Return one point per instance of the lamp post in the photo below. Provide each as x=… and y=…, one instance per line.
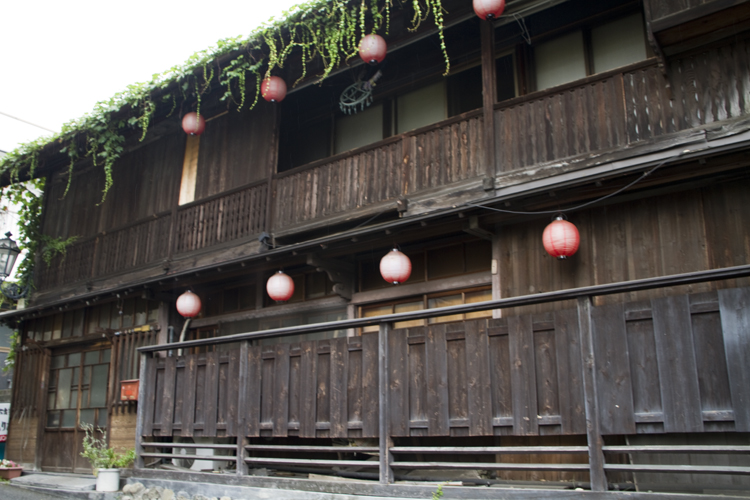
x=9, y=252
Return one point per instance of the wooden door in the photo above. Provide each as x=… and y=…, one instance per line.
x=77, y=394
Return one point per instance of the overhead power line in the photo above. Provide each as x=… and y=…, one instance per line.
x=27, y=122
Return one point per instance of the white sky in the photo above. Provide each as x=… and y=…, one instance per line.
x=57, y=59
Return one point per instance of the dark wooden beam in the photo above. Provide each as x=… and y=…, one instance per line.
x=489, y=93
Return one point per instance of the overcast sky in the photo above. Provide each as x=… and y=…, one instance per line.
x=58, y=59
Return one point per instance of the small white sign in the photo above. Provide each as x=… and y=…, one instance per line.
x=4, y=420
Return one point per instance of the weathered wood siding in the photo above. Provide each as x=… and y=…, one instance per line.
x=237, y=148
x=668, y=234
x=671, y=364
x=664, y=8
x=426, y=158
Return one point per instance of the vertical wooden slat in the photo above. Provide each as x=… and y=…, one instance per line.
x=436, y=361
x=147, y=393
x=398, y=379
x=308, y=389
x=477, y=379
x=281, y=391
x=254, y=364
x=143, y=417
x=234, y=378
x=190, y=373
x=167, y=396
x=242, y=407
x=523, y=375
x=570, y=371
x=385, y=457
x=338, y=384
x=211, y=394
x=370, y=380
x=614, y=390
x=678, y=375
x=735, y=322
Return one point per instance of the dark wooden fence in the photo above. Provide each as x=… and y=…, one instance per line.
x=674, y=364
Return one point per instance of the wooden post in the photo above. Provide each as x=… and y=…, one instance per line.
x=139, y=464
x=489, y=93
x=241, y=426
x=386, y=473
x=593, y=432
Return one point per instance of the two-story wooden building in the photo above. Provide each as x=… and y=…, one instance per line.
x=630, y=117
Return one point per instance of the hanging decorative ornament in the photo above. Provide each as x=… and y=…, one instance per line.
x=280, y=287
x=273, y=89
x=489, y=10
x=395, y=267
x=561, y=238
x=193, y=123
x=372, y=49
x=188, y=305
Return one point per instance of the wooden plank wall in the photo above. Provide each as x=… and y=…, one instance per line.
x=132, y=246
x=126, y=365
x=426, y=158
x=669, y=234
x=663, y=8
x=674, y=364
x=236, y=149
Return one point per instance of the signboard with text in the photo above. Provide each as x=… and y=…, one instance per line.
x=4, y=420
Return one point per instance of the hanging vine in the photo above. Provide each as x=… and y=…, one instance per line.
x=325, y=32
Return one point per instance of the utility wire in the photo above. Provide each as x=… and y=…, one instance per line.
x=588, y=203
x=28, y=122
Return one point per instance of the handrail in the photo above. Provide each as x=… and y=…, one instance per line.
x=523, y=300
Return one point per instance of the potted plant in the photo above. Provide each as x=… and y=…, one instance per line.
x=105, y=461
x=9, y=469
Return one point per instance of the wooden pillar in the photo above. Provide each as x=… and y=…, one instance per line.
x=386, y=473
x=241, y=426
x=593, y=431
x=489, y=93
x=139, y=463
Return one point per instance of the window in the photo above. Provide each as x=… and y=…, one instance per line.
x=575, y=55
x=430, y=301
x=77, y=391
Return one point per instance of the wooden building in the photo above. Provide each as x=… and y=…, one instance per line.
x=631, y=117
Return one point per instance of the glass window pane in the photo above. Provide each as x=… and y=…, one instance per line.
x=58, y=361
x=74, y=359
x=448, y=300
x=78, y=318
x=86, y=375
x=480, y=296
x=153, y=312
x=67, y=327
x=87, y=417
x=140, y=312
x=51, y=400
x=69, y=418
x=85, y=399
x=559, y=61
x=53, y=419
x=128, y=311
x=57, y=327
x=406, y=307
x=369, y=312
x=102, y=419
x=93, y=319
x=421, y=107
x=104, y=312
x=73, y=397
x=49, y=323
x=618, y=43
x=106, y=354
x=63, y=388
x=75, y=375
x=99, y=386
x=91, y=358
x=360, y=129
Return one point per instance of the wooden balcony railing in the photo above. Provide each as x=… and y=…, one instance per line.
x=432, y=156
x=676, y=364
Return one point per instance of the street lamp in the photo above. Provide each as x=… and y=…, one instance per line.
x=9, y=252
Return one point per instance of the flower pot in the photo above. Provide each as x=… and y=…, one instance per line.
x=108, y=480
x=10, y=472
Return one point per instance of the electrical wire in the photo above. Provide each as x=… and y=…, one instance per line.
x=588, y=203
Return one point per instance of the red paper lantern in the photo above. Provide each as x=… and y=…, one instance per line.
x=489, y=9
x=188, y=305
x=280, y=287
x=395, y=267
x=193, y=124
x=273, y=89
x=372, y=49
x=561, y=238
